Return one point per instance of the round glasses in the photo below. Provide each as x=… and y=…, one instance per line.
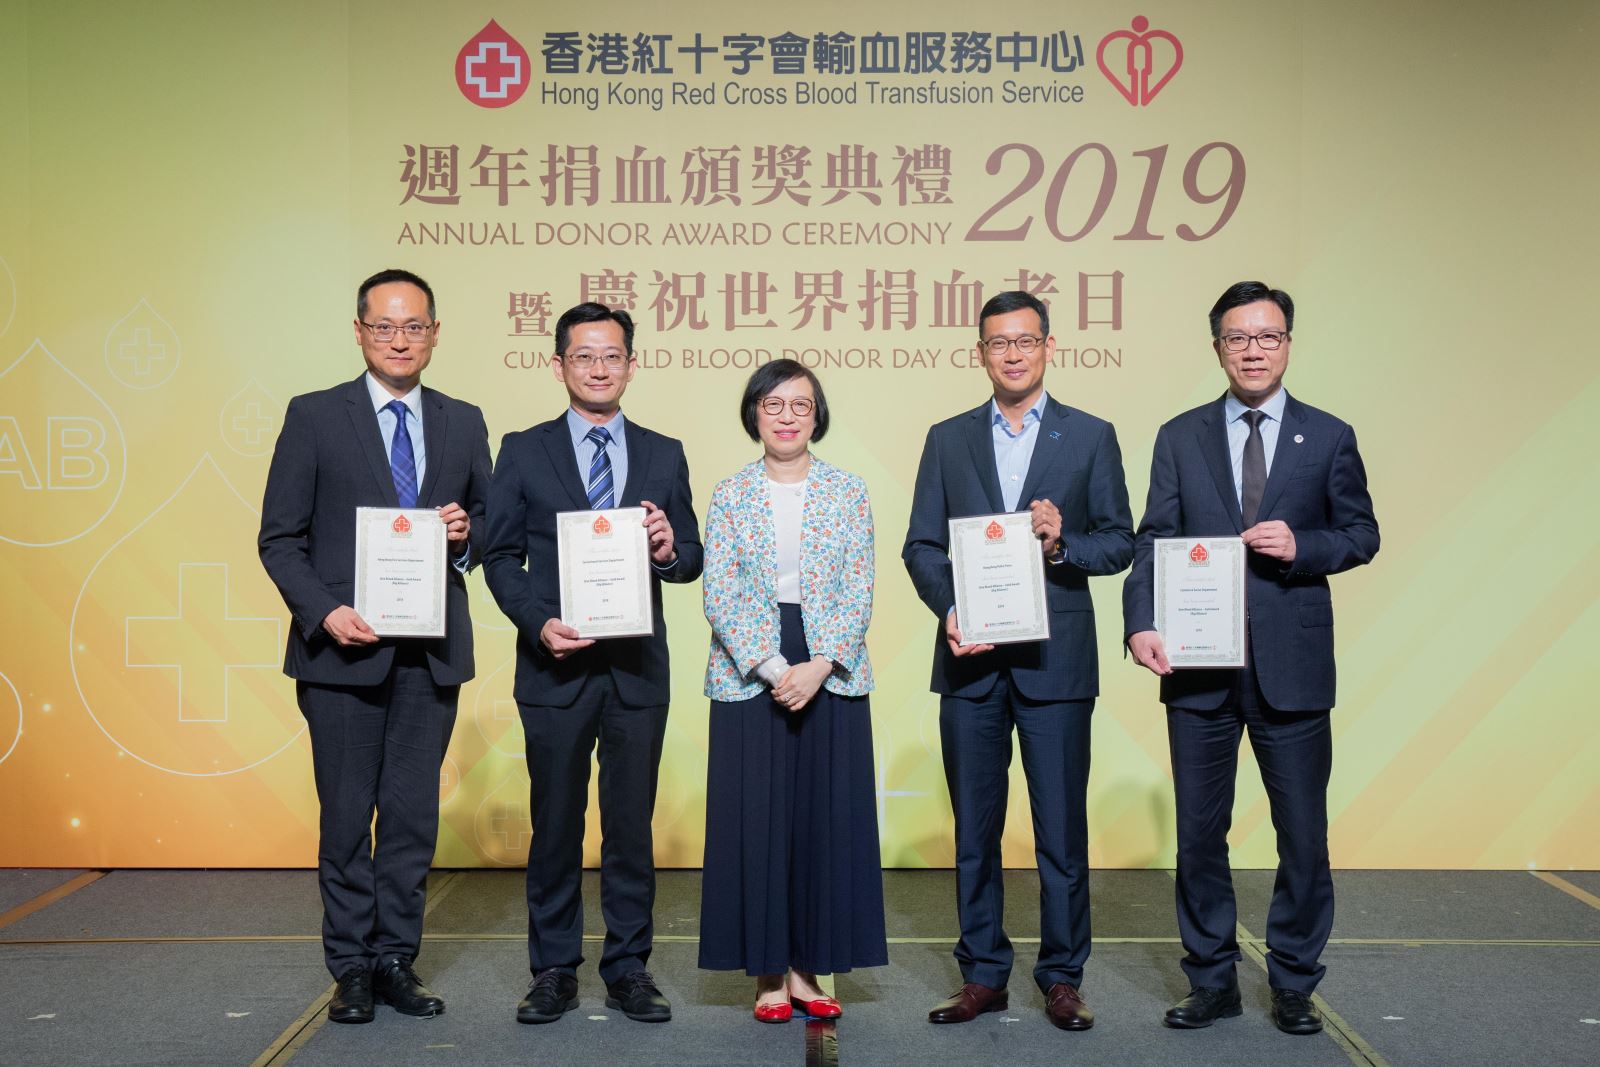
x=800, y=405
x=996, y=346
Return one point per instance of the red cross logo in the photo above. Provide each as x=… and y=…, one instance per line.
x=602, y=526
x=1198, y=554
x=401, y=525
x=492, y=68
x=994, y=531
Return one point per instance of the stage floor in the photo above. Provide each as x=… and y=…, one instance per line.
x=225, y=967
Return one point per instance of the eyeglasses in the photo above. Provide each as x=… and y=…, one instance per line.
x=1270, y=341
x=996, y=346
x=385, y=331
x=800, y=405
x=585, y=360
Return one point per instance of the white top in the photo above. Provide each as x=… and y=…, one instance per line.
x=788, y=504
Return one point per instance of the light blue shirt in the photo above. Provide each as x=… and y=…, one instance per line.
x=387, y=422
x=579, y=427
x=1239, y=433
x=1014, y=451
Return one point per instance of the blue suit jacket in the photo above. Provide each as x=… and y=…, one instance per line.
x=1317, y=486
x=330, y=460
x=1076, y=465
x=536, y=476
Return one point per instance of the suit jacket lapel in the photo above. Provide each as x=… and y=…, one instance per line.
x=1285, y=457
x=364, y=422
x=1214, y=446
x=1047, y=449
x=564, y=461
x=638, y=446
x=435, y=423
x=980, y=437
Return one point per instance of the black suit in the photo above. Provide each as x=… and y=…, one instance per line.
x=379, y=715
x=1044, y=689
x=615, y=692
x=1318, y=487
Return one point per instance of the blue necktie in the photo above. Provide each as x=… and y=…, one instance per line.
x=600, y=480
x=402, y=462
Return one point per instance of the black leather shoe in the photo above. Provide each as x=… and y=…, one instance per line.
x=637, y=997
x=1203, y=1006
x=551, y=995
x=395, y=983
x=1293, y=1013
x=352, y=1001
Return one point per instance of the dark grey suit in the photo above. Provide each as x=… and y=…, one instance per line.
x=1317, y=486
x=380, y=715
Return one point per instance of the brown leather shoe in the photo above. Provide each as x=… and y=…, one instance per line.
x=967, y=1003
x=1066, y=1008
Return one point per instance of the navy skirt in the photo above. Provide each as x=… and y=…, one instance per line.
x=793, y=877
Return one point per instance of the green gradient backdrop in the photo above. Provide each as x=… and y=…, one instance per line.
x=191, y=192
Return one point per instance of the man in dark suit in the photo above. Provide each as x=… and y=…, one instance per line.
x=572, y=692
x=1287, y=479
x=379, y=710
x=1020, y=450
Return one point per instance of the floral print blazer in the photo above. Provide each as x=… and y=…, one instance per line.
x=741, y=579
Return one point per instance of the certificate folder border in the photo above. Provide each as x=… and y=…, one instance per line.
x=421, y=519
x=1035, y=573
x=1166, y=548
x=633, y=518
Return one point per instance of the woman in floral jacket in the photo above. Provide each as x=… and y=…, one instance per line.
x=793, y=883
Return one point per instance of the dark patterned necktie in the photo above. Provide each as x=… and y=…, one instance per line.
x=402, y=461
x=601, y=484
x=1254, y=478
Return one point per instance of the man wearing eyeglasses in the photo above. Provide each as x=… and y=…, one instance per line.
x=1020, y=450
x=573, y=692
x=379, y=710
x=1287, y=479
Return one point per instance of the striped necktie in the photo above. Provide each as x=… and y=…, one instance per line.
x=402, y=461
x=601, y=485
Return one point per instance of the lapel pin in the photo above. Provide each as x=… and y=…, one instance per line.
x=1299, y=439
x=1055, y=435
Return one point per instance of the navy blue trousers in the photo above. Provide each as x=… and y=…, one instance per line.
x=1295, y=754
x=377, y=747
x=560, y=744
x=793, y=876
x=1054, y=737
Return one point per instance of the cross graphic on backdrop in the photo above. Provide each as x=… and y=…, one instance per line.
x=512, y=828
x=505, y=69
x=203, y=642
x=144, y=352
x=252, y=424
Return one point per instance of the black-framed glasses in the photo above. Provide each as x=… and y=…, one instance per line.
x=996, y=346
x=385, y=331
x=1270, y=341
x=800, y=405
x=585, y=360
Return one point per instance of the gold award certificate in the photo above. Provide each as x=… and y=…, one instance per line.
x=999, y=579
x=1200, y=605
x=400, y=571
x=605, y=572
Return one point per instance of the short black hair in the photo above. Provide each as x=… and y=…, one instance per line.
x=1241, y=293
x=591, y=312
x=1015, y=300
x=768, y=377
x=387, y=277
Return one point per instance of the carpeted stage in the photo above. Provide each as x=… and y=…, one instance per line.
x=225, y=967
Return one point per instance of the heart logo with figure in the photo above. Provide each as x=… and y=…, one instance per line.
x=1143, y=62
